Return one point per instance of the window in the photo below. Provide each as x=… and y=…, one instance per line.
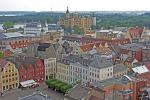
x=6, y=86
x=108, y=74
x=3, y=81
x=13, y=85
x=111, y=73
x=3, y=88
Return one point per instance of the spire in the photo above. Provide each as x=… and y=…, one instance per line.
x=67, y=10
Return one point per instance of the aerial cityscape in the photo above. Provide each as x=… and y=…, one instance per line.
x=78, y=54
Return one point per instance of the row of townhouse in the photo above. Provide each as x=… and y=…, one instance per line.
x=31, y=67
x=74, y=69
x=16, y=70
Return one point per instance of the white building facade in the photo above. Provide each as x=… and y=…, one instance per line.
x=50, y=68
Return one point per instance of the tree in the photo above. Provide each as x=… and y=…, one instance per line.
x=7, y=25
x=1, y=54
x=78, y=30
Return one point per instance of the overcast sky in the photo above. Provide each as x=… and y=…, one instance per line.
x=74, y=5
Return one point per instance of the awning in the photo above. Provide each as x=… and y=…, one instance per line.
x=28, y=83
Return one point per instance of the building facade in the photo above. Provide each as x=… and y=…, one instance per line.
x=79, y=74
x=29, y=68
x=100, y=69
x=35, y=29
x=63, y=71
x=71, y=20
x=50, y=68
x=9, y=76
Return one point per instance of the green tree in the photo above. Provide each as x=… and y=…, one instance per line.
x=1, y=54
x=7, y=25
x=78, y=30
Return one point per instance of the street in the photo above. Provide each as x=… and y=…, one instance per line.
x=14, y=94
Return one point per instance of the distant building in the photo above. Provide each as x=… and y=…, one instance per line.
x=71, y=20
x=54, y=28
x=81, y=40
x=9, y=76
x=51, y=37
x=134, y=34
x=90, y=33
x=13, y=41
x=109, y=34
x=35, y=29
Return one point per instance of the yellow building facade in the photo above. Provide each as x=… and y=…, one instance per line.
x=73, y=19
x=9, y=77
x=62, y=72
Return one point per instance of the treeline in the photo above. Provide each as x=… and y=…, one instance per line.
x=103, y=20
x=42, y=17
x=120, y=20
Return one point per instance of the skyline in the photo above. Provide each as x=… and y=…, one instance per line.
x=74, y=5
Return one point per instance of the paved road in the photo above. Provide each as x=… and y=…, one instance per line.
x=14, y=94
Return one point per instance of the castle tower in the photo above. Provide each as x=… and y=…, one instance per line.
x=67, y=12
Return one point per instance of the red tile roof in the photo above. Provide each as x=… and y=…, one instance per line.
x=103, y=50
x=8, y=53
x=145, y=76
x=87, y=47
x=135, y=32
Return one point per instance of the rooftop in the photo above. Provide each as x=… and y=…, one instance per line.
x=20, y=59
x=78, y=93
x=36, y=96
x=33, y=25
x=11, y=35
x=101, y=62
x=119, y=68
x=140, y=69
x=117, y=81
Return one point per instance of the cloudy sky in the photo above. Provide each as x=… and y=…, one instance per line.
x=74, y=5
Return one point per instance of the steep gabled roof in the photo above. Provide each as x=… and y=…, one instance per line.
x=135, y=32
x=87, y=47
